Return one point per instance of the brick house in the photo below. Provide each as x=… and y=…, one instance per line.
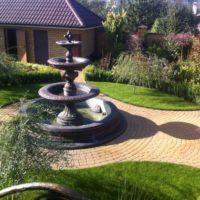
x=30, y=28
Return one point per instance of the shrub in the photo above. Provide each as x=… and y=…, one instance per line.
x=182, y=41
x=189, y=71
x=15, y=73
x=34, y=73
x=92, y=73
x=139, y=70
x=180, y=79
x=115, y=25
x=166, y=50
x=21, y=153
x=188, y=91
x=8, y=69
x=157, y=73
x=174, y=46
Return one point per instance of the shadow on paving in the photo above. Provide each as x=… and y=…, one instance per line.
x=140, y=127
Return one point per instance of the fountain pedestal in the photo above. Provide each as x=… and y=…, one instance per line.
x=70, y=88
x=69, y=116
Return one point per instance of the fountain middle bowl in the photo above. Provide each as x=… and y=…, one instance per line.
x=60, y=63
x=54, y=92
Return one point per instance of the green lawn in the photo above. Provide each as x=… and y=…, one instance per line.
x=139, y=96
x=145, y=97
x=12, y=94
x=132, y=180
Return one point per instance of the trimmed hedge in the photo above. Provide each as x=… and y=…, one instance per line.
x=30, y=73
x=91, y=73
x=188, y=91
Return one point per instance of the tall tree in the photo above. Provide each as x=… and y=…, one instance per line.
x=144, y=11
x=179, y=18
x=97, y=6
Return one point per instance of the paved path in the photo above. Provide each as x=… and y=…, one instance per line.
x=9, y=111
x=153, y=135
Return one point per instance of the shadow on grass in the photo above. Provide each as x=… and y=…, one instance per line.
x=131, y=181
x=102, y=187
x=50, y=196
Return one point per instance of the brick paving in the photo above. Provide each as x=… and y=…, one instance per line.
x=151, y=135
x=8, y=112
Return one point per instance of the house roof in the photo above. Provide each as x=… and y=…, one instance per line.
x=52, y=13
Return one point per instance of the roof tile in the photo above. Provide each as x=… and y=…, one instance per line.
x=57, y=13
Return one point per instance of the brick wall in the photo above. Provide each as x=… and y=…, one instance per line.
x=87, y=37
x=154, y=38
x=30, y=45
x=2, y=40
x=102, y=44
x=21, y=46
x=54, y=35
x=195, y=50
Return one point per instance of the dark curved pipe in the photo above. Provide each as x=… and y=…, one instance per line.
x=65, y=192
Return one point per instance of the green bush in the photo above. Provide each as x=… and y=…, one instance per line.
x=181, y=79
x=92, y=73
x=15, y=73
x=189, y=71
x=34, y=73
x=20, y=150
x=140, y=70
x=8, y=69
x=115, y=27
x=157, y=73
x=188, y=91
x=165, y=50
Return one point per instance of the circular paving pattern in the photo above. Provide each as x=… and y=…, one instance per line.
x=151, y=135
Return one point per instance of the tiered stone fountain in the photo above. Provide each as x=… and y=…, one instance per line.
x=85, y=121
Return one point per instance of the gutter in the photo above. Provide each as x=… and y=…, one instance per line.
x=49, y=27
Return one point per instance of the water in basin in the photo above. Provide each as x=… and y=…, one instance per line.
x=62, y=60
x=78, y=93
x=48, y=112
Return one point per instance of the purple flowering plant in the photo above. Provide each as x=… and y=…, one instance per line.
x=181, y=39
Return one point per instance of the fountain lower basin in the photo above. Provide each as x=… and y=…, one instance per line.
x=96, y=127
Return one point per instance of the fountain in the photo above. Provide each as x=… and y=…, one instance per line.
x=86, y=120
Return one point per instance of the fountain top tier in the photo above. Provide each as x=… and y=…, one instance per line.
x=68, y=42
x=69, y=62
